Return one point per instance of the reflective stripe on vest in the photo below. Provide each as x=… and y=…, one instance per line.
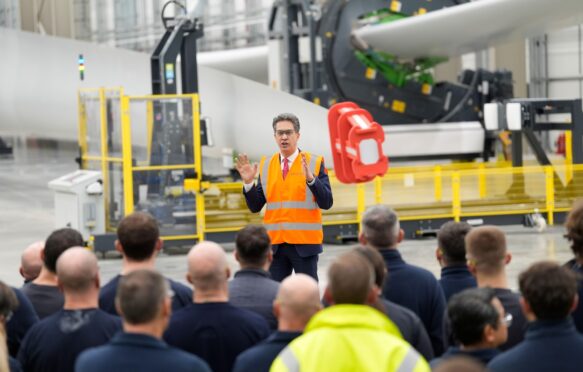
x=264, y=172
x=307, y=203
x=293, y=226
x=289, y=360
x=409, y=362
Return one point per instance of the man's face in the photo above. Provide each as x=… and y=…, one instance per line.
x=286, y=137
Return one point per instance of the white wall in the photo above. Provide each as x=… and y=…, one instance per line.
x=565, y=61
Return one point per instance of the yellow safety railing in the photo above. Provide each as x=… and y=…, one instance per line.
x=452, y=193
x=95, y=124
x=139, y=167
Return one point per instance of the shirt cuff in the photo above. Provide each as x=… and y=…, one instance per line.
x=248, y=186
x=311, y=183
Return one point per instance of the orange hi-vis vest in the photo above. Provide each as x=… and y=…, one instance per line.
x=291, y=213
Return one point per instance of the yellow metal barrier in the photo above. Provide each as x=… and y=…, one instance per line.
x=568, y=155
x=154, y=168
x=96, y=146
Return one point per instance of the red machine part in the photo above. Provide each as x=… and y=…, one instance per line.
x=357, y=144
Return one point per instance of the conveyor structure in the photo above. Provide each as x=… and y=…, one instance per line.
x=315, y=55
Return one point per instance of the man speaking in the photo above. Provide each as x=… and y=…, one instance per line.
x=294, y=184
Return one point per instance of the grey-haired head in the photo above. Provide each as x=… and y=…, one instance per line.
x=380, y=226
x=287, y=117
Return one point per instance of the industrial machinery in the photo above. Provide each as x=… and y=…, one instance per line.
x=315, y=55
x=79, y=202
x=170, y=141
x=526, y=118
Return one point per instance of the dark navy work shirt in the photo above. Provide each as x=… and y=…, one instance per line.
x=416, y=289
x=455, y=279
x=46, y=299
x=548, y=346
x=254, y=290
x=22, y=319
x=128, y=352
x=14, y=365
x=411, y=327
x=54, y=343
x=578, y=313
x=260, y=357
x=216, y=331
x=483, y=356
x=511, y=304
x=182, y=295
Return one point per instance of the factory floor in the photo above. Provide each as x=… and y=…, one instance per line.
x=27, y=215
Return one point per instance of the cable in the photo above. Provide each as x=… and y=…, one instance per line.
x=463, y=101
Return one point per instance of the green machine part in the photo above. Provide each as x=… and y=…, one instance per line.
x=396, y=72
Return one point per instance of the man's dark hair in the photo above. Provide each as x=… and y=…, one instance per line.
x=451, y=241
x=487, y=246
x=378, y=263
x=470, y=311
x=574, y=226
x=8, y=300
x=253, y=245
x=138, y=234
x=380, y=226
x=287, y=117
x=350, y=279
x=58, y=242
x=549, y=289
x=140, y=295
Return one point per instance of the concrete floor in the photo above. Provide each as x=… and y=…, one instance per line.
x=27, y=216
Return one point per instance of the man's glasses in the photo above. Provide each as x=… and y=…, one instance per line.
x=287, y=133
x=507, y=320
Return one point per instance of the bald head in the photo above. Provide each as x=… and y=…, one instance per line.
x=31, y=261
x=208, y=269
x=77, y=270
x=298, y=299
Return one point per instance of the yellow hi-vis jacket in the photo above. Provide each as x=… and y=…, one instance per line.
x=291, y=213
x=350, y=338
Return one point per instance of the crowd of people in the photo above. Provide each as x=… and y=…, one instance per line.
x=377, y=312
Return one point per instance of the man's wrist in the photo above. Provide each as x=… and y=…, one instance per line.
x=313, y=181
x=248, y=186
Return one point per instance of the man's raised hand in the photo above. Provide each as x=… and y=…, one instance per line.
x=245, y=169
x=307, y=173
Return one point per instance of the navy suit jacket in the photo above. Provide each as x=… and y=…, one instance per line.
x=322, y=192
